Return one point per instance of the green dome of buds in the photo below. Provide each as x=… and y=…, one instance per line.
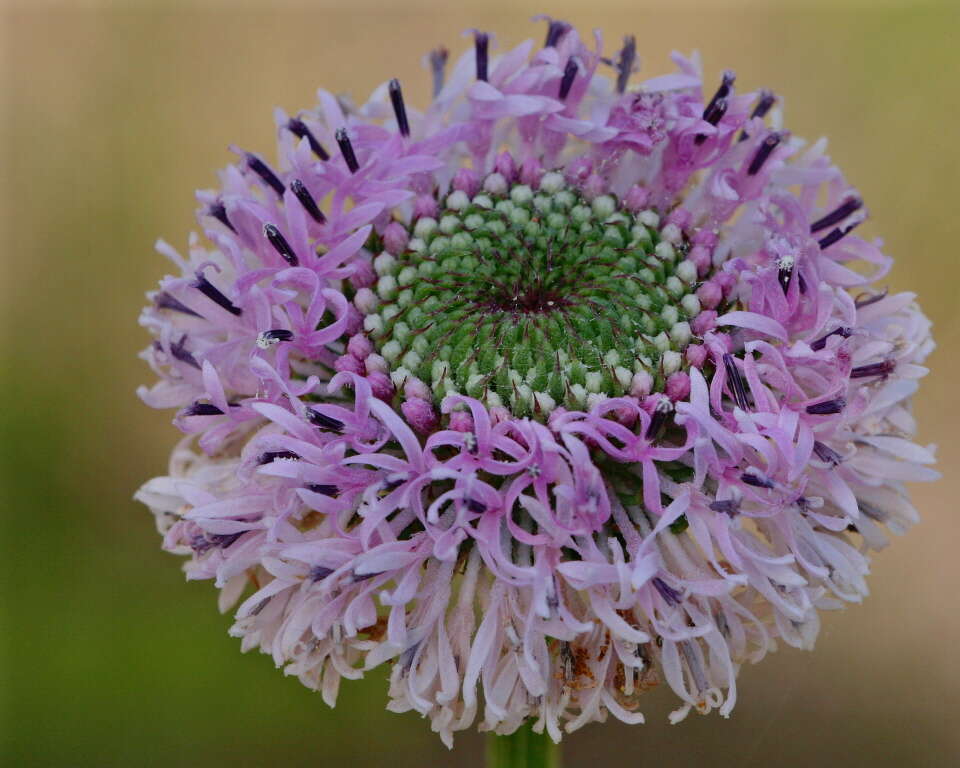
x=535, y=299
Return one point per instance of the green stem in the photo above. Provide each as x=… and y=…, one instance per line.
x=522, y=749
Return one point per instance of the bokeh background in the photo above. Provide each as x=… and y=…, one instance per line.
x=111, y=114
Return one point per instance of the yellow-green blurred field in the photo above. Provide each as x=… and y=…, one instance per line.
x=112, y=114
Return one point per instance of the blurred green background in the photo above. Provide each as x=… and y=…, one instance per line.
x=112, y=114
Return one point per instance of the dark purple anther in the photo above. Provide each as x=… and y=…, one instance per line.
x=826, y=454
x=738, y=387
x=555, y=31
x=728, y=507
x=660, y=415
x=438, y=65
x=756, y=480
x=820, y=343
x=838, y=215
x=280, y=244
x=202, y=409
x=346, y=149
x=827, y=407
x=278, y=334
x=785, y=272
x=307, y=201
x=323, y=421
x=722, y=92
x=322, y=488
x=319, y=573
x=299, y=129
x=668, y=593
x=481, y=43
x=837, y=234
x=712, y=114
x=477, y=507
x=566, y=82
x=628, y=54
x=884, y=369
x=207, y=289
x=268, y=456
x=767, y=100
x=266, y=175
x=396, y=98
x=179, y=351
x=219, y=212
x=765, y=150
x=164, y=300
x=866, y=299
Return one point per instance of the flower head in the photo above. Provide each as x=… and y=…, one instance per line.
x=551, y=392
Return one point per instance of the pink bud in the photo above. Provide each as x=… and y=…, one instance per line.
x=467, y=181
x=705, y=237
x=578, y=171
x=349, y=363
x=636, y=199
x=710, y=294
x=700, y=256
x=704, y=322
x=381, y=386
x=499, y=414
x=726, y=281
x=681, y=217
x=505, y=166
x=354, y=320
x=363, y=275
x=395, y=238
x=414, y=387
x=359, y=346
x=593, y=187
x=425, y=205
x=678, y=386
x=530, y=172
x=461, y=421
x=696, y=355
x=420, y=415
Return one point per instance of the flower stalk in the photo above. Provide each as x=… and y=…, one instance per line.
x=522, y=749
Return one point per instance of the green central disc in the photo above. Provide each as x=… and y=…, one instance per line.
x=534, y=299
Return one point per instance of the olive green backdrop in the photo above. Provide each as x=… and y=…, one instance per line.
x=113, y=113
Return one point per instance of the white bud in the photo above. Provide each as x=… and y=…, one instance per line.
x=680, y=333
x=416, y=244
x=425, y=227
x=670, y=362
x=551, y=182
x=674, y=286
x=521, y=194
x=649, y=219
x=391, y=350
x=411, y=360
x=612, y=357
x=373, y=324
x=661, y=342
x=387, y=287
x=594, y=381
x=384, y=263
x=604, y=206
x=670, y=314
x=399, y=376
x=672, y=234
x=449, y=224
x=495, y=184
x=579, y=394
x=623, y=376
x=457, y=200
x=595, y=398
x=664, y=251
x=687, y=271
x=544, y=402
x=482, y=201
x=641, y=384
x=690, y=304
x=375, y=362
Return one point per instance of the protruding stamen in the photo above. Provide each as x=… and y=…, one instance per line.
x=826, y=454
x=307, y=201
x=865, y=299
x=323, y=421
x=722, y=92
x=767, y=100
x=322, y=488
x=827, y=407
x=202, y=409
x=180, y=352
x=820, y=343
x=265, y=173
x=280, y=244
x=566, y=82
x=660, y=415
x=299, y=129
x=346, y=149
x=668, y=593
x=268, y=338
x=836, y=235
x=838, y=215
x=207, y=289
x=269, y=456
x=555, y=31
x=438, y=65
x=712, y=114
x=729, y=507
x=219, y=211
x=399, y=109
x=738, y=387
x=164, y=300
x=756, y=480
x=884, y=369
x=481, y=44
x=765, y=150
x=628, y=54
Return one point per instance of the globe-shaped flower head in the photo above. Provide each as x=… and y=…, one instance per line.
x=558, y=389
